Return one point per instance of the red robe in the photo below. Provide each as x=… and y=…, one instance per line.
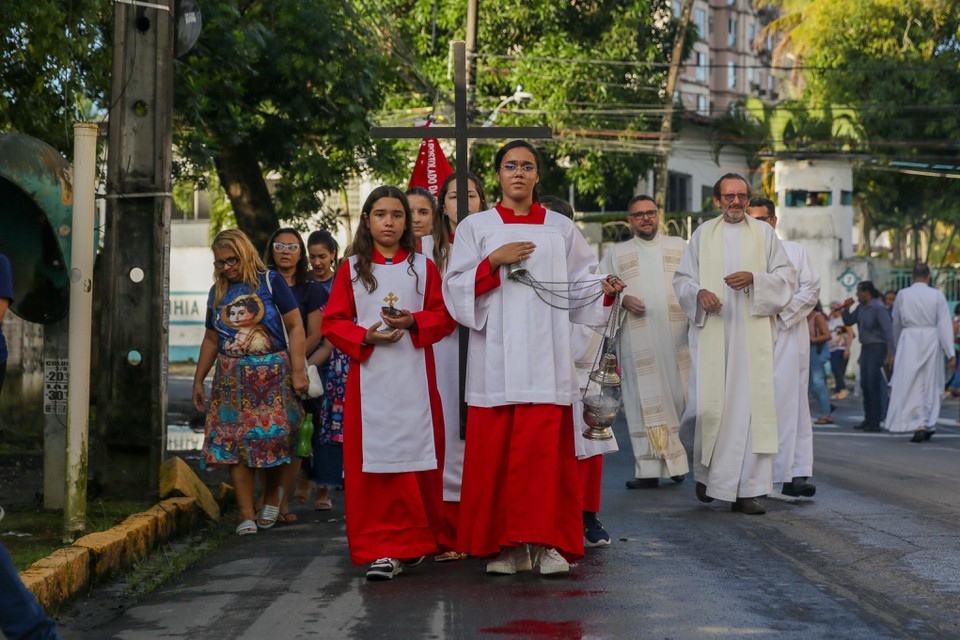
x=389, y=515
x=521, y=482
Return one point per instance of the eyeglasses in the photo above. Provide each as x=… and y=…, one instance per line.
x=513, y=167
x=283, y=247
x=232, y=261
x=730, y=197
x=649, y=213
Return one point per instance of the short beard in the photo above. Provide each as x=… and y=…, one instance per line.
x=733, y=217
x=648, y=238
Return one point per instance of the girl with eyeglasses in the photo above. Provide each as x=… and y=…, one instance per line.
x=386, y=311
x=253, y=413
x=287, y=255
x=520, y=377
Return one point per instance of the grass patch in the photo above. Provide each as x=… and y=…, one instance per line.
x=169, y=560
x=34, y=533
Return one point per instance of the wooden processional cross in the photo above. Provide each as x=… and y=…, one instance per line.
x=462, y=133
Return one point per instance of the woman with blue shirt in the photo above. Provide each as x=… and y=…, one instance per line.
x=253, y=412
x=287, y=255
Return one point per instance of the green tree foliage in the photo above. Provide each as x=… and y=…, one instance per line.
x=282, y=88
x=53, y=62
x=763, y=130
x=595, y=69
x=894, y=62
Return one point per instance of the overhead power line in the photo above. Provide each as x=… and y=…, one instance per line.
x=952, y=68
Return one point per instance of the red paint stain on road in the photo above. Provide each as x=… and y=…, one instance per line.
x=553, y=629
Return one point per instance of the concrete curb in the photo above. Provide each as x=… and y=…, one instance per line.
x=68, y=571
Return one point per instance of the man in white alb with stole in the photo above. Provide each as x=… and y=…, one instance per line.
x=654, y=357
x=733, y=279
x=793, y=464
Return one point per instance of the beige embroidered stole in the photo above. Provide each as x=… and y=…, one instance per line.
x=643, y=357
x=711, y=370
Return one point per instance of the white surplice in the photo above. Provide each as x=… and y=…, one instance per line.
x=446, y=355
x=533, y=361
x=923, y=333
x=586, y=347
x=654, y=355
x=735, y=468
x=408, y=444
x=791, y=372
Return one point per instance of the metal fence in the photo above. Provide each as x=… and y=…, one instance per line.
x=946, y=280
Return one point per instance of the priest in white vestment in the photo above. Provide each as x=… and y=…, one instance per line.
x=923, y=333
x=793, y=464
x=733, y=280
x=654, y=355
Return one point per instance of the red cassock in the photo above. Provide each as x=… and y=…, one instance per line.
x=591, y=478
x=521, y=482
x=395, y=515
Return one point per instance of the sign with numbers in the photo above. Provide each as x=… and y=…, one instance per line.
x=54, y=386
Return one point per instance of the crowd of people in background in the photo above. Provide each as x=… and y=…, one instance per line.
x=720, y=341
x=422, y=478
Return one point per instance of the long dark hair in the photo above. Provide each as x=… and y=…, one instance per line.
x=362, y=246
x=522, y=144
x=445, y=187
x=326, y=240
x=302, y=272
x=439, y=230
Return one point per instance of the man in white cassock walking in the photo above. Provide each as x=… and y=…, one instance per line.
x=654, y=355
x=793, y=464
x=923, y=333
x=733, y=280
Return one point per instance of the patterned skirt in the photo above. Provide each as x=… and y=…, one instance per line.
x=330, y=422
x=254, y=416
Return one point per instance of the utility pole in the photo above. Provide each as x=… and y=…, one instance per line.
x=132, y=378
x=666, y=124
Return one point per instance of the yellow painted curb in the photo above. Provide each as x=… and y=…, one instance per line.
x=178, y=479
x=58, y=576
x=67, y=571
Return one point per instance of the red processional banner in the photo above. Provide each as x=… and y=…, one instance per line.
x=431, y=168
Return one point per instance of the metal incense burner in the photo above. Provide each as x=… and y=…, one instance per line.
x=601, y=406
x=516, y=271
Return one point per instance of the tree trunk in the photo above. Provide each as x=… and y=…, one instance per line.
x=242, y=180
x=865, y=228
x=666, y=124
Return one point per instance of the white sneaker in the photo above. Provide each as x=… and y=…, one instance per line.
x=551, y=561
x=511, y=560
x=384, y=569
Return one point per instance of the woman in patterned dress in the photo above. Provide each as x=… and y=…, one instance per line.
x=253, y=408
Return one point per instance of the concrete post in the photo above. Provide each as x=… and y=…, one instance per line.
x=81, y=315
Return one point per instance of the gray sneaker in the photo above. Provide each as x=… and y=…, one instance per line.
x=550, y=561
x=511, y=560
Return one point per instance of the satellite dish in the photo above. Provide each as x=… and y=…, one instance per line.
x=188, y=25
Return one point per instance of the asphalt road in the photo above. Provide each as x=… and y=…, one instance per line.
x=876, y=554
